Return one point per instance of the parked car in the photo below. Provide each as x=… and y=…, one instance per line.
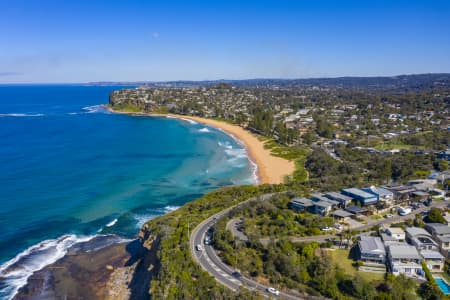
x=388, y=216
x=338, y=226
x=199, y=247
x=327, y=228
x=404, y=211
x=273, y=291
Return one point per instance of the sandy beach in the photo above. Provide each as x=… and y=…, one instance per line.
x=270, y=169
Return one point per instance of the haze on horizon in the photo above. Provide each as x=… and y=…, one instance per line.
x=81, y=41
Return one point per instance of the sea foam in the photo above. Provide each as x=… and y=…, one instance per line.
x=15, y=272
x=21, y=115
x=204, y=129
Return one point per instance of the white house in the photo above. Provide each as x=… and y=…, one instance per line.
x=405, y=259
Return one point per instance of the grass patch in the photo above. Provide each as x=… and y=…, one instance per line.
x=341, y=258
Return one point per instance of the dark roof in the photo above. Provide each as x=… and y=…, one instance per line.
x=355, y=209
x=342, y=213
x=302, y=202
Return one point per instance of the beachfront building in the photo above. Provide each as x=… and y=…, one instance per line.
x=371, y=249
x=404, y=259
x=343, y=200
x=361, y=196
x=434, y=260
x=421, y=239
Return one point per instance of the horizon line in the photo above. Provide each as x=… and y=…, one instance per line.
x=125, y=82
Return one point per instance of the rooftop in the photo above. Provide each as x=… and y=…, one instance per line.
x=438, y=228
x=355, y=209
x=396, y=230
x=342, y=213
x=427, y=254
x=415, y=231
x=403, y=251
x=379, y=191
x=371, y=244
x=358, y=192
x=338, y=196
x=302, y=202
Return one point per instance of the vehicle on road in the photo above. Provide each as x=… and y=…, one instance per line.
x=273, y=291
x=207, y=240
x=403, y=211
x=199, y=247
x=388, y=216
x=236, y=274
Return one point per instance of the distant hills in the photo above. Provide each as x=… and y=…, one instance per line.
x=400, y=82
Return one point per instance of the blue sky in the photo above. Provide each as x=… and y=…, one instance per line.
x=81, y=41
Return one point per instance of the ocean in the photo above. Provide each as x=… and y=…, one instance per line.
x=70, y=170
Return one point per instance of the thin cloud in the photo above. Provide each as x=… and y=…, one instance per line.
x=6, y=74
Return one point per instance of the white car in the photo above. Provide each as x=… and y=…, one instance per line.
x=404, y=211
x=199, y=247
x=327, y=228
x=388, y=216
x=273, y=291
x=338, y=226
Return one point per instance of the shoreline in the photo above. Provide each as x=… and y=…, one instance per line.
x=270, y=169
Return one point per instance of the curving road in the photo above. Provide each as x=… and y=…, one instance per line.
x=211, y=263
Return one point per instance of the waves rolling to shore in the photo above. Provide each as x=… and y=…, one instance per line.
x=72, y=174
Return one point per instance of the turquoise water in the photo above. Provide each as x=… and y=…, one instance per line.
x=70, y=170
x=445, y=288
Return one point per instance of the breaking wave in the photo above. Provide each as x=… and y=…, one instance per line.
x=21, y=115
x=204, y=129
x=15, y=272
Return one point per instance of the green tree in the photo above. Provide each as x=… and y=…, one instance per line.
x=435, y=216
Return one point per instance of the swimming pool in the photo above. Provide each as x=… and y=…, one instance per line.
x=445, y=288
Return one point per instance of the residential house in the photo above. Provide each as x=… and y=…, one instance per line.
x=359, y=195
x=342, y=215
x=437, y=229
x=421, y=239
x=441, y=234
x=404, y=259
x=371, y=249
x=401, y=192
x=434, y=260
x=444, y=244
x=343, y=200
x=356, y=210
x=423, y=184
x=301, y=205
x=396, y=233
x=323, y=208
x=382, y=194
